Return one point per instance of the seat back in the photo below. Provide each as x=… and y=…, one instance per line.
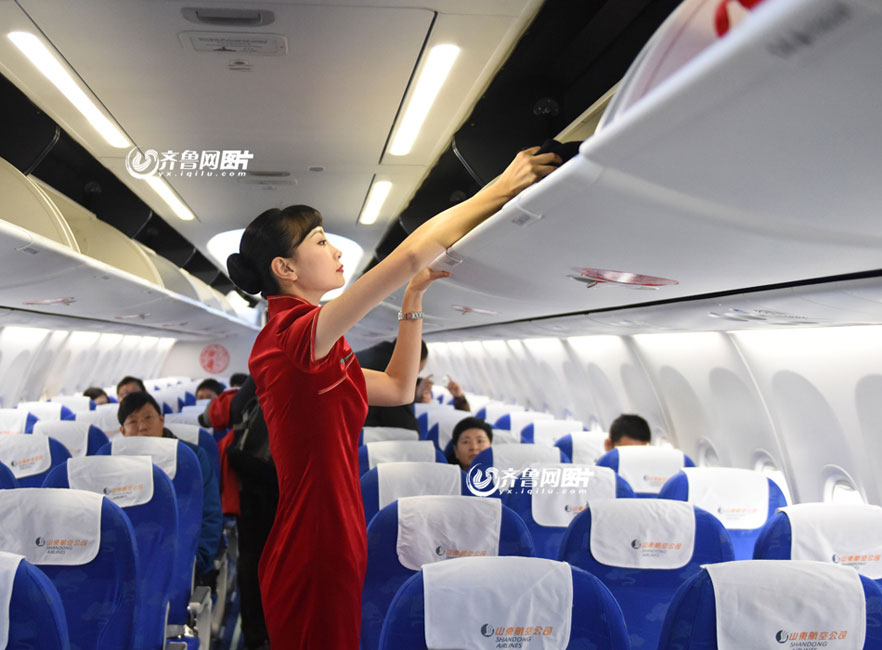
x=182, y=466
x=643, y=550
x=583, y=447
x=509, y=426
x=7, y=478
x=31, y=611
x=500, y=601
x=422, y=411
x=104, y=418
x=47, y=410
x=200, y=437
x=743, y=500
x=846, y=534
x=549, y=496
x=30, y=457
x=147, y=496
x=492, y=411
x=17, y=421
x=441, y=424
x=414, y=531
x=80, y=438
x=389, y=482
x=494, y=471
x=547, y=432
x=393, y=451
x=380, y=434
x=75, y=402
x=645, y=468
x=781, y=604
x=85, y=545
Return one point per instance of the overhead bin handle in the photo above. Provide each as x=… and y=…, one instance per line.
x=721, y=16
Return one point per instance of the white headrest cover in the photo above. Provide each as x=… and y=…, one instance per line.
x=380, y=434
x=788, y=604
x=72, y=434
x=558, y=502
x=588, y=446
x=411, y=479
x=519, y=457
x=8, y=566
x=436, y=528
x=642, y=533
x=43, y=410
x=163, y=451
x=394, y=451
x=73, y=402
x=520, y=419
x=125, y=480
x=447, y=421
x=25, y=454
x=186, y=432
x=546, y=432
x=648, y=468
x=104, y=419
x=739, y=498
x=850, y=535
x=498, y=602
x=51, y=525
x=428, y=407
x=181, y=418
x=13, y=421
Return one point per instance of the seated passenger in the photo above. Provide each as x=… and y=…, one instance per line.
x=237, y=379
x=96, y=394
x=470, y=437
x=129, y=384
x=628, y=430
x=139, y=415
x=209, y=389
x=424, y=393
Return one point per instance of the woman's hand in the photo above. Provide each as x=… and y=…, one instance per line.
x=524, y=170
x=423, y=393
x=423, y=279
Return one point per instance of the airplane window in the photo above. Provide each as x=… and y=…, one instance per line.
x=707, y=455
x=769, y=470
x=841, y=491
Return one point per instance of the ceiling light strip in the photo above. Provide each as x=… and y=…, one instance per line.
x=48, y=64
x=428, y=85
x=376, y=197
x=171, y=198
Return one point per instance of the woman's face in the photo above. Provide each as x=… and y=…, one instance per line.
x=318, y=263
x=471, y=442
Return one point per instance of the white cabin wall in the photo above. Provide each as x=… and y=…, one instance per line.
x=185, y=358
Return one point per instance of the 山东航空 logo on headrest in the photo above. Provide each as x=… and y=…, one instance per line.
x=482, y=482
x=40, y=541
x=488, y=630
x=782, y=636
x=635, y=544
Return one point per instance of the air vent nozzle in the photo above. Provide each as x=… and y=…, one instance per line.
x=228, y=17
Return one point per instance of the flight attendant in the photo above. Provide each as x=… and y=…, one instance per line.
x=314, y=396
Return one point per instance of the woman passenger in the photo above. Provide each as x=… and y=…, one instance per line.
x=314, y=396
x=471, y=436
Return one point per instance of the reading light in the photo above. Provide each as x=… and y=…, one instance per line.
x=429, y=82
x=48, y=64
x=376, y=197
x=162, y=188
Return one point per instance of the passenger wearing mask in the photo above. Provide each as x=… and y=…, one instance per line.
x=627, y=430
x=139, y=415
x=471, y=436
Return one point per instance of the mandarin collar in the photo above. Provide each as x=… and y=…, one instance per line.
x=284, y=301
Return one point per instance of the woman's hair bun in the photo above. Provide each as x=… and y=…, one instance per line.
x=243, y=274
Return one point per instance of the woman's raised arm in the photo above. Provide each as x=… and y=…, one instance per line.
x=425, y=244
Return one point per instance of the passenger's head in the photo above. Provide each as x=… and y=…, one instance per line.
x=96, y=394
x=627, y=430
x=140, y=415
x=128, y=385
x=286, y=251
x=471, y=436
x=237, y=379
x=209, y=389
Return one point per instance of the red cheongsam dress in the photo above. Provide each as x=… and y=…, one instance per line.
x=313, y=564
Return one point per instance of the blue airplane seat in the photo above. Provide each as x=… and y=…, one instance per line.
x=35, y=617
x=691, y=622
x=643, y=550
x=495, y=469
x=17, y=421
x=380, y=434
x=181, y=465
x=7, y=478
x=85, y=545
x=30, y=457
x=431, y=529
x=646, y=468
x=200, y=437
x=594, y=617
x=80, y=438
x=440, y=425
x=743, y=500
x=47, y=410
x=393, y=451
x=548, y=510
x=389, y=482
x=147, y=496
x=583, y=447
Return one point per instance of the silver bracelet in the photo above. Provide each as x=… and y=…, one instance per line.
x=410, y=315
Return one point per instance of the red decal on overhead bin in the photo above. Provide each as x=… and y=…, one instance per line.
x=51, y=301
x=214, y=358
x=625, y=278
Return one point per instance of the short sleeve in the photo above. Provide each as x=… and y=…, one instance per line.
x=296, y=338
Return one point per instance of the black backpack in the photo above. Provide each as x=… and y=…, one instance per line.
x=249, y=454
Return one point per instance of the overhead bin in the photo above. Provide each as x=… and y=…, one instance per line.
x=173, y=277
x=756, y=163
x=46, y=273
